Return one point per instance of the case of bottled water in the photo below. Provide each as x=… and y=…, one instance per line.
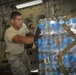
x=54, y=39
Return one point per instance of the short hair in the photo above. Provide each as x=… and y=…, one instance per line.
x=14, y=14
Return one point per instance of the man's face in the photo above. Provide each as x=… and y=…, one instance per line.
x=17, y=22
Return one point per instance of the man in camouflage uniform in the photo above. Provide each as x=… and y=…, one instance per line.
x=15, y=38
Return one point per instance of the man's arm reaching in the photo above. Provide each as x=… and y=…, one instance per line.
x=23, y=40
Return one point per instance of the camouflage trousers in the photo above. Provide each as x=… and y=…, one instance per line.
x=19, y=64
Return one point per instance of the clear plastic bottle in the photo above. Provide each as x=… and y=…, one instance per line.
x=64, y=41
x=70, y=39
x=40, y=25
x=56, y=72
x=53, y=62
x=56, y=26
x=46, y=27
x=60, y=72
x=66, y=61
x=40, y=69
x=73, y=28
x=61, y=22
x=39, y=44
x=39, y=49
x=48, y=70
x=69, y=23
x=51, y=29
x=74, y=60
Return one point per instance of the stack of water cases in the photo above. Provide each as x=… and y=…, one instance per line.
x=54, y=39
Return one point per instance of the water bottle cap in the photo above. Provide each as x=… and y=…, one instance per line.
x=40, y=27
x=52, y=22
x=69, y=22
x=45, y=18
x=40, y=20
x=61, y=22
x=50, y=18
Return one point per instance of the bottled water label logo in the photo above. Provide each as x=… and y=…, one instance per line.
x=46, y=60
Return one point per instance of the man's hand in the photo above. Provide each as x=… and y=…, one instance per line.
x=30, y=34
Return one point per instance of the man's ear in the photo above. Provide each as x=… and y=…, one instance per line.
x=12, y=20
